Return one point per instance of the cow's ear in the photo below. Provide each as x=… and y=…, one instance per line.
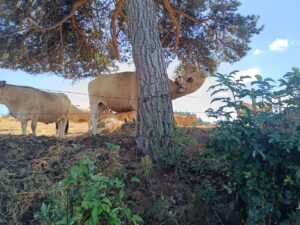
x=2, y=83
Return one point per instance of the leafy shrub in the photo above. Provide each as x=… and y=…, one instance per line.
x=87, y=197
x=262, y=149
x=174, y=156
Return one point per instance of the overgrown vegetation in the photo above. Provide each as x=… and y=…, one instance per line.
x=259, y=151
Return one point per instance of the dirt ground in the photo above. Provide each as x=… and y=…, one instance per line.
x=29, y=166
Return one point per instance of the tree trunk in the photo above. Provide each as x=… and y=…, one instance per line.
x=155, y=111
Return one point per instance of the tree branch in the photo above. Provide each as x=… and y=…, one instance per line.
x=113, y=28
x=75, y=6
x=13, y=33
x=181, y=13
x=62, y=50
x=172, y=13
x=174, y=21
x=75, y=26
x=33, y=26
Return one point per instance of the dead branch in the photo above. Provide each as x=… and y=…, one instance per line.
x=113, y=28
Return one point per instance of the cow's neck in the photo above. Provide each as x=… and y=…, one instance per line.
x=8, y=96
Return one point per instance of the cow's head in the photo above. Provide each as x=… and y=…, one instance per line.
x=2, y=83
x=180, y=84
x=188, y=83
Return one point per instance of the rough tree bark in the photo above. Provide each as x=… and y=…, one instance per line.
x=155, y=111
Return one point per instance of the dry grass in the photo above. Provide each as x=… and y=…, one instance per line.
x=9, y=125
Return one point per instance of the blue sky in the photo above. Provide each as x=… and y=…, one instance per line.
x=274, y=52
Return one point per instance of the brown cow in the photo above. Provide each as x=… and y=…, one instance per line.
x=126, y=116
x=189, y=120
x=77, y=115
x=27, y=103
x=118, y=92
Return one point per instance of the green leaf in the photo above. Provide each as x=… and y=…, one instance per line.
x=136, y=219
x=95, y=214
x=127, y=212
x=63, y=221
x=135, y=179
x=85, y=204
x=76, y=170
x=44, y=209
x=107, y=201
x=106, y=208
x=112, y=146
x=218, y=99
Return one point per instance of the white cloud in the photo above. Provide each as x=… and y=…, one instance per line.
x=258, y=52
x=279, y=44
x=249, y=72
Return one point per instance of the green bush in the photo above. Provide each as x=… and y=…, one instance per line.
x=89, y=198
x=262, y=149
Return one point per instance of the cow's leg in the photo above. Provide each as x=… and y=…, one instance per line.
x=59, y=125
x=24, y=126
x=33, y=125
x=56, y=127
x=94, y=117
x=95, y=112
x=89, y=123
x=62, y=126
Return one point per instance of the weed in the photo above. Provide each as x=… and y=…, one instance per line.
x=146, y=166
x=174, y=156
x=87, y=197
